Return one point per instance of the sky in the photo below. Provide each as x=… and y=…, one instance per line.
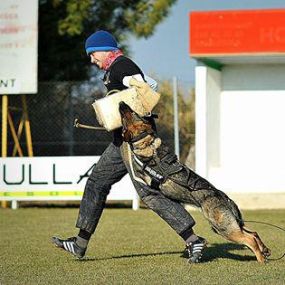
x=166, y=53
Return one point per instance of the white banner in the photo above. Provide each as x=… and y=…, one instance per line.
x=53, y=178
x=18, y=46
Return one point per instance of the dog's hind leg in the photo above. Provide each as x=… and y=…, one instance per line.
x=225, y=223
x=263, y=248
x=249, y=239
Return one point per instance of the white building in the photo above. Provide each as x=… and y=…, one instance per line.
x=240, y=103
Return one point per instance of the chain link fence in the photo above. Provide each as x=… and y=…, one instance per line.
x=52, y=112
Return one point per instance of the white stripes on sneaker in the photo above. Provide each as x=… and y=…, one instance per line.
x=68, y=245
x=197, y=247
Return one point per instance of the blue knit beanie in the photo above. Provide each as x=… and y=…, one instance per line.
x=100, y=41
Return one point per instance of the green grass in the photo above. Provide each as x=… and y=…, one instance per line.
x=130, y=247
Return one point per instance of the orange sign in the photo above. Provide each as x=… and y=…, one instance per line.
x=237, y=32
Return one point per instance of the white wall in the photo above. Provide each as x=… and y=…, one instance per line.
x=208, y=83
x=244, y=133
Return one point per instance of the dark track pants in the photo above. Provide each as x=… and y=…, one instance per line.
x=109, y=170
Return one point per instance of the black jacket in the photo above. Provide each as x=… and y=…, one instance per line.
x=113, y=80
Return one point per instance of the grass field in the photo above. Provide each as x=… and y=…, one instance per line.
x=130, y=247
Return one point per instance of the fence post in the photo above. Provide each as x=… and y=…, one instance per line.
x=4, y=133
x=70, y=119
x=176, y=117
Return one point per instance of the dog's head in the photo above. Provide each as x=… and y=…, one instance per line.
x=137, y=131
x=134, y=126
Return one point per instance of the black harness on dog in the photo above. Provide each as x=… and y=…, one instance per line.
x=159, y=167
x=156, y=178
x=165, y=165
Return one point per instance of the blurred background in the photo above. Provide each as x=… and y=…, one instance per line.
x=68, y=84
x=155, y=34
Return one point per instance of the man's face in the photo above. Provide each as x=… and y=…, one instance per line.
x=98, y=57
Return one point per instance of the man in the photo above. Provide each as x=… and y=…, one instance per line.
x=119, y=70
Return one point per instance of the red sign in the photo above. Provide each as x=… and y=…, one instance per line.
x=237, y=32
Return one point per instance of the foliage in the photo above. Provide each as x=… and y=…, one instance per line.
x=186, y=116
x=146, y=15
x=64, y=26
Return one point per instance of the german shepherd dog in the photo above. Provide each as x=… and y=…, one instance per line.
x=153, y=164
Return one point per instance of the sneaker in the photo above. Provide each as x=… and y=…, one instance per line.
x=193, y=250
x=70, y=246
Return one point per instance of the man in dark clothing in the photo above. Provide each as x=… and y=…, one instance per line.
x=119, y=70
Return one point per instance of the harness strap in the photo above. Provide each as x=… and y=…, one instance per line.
x=141, y=136
x=156, y=178
x=155, y=183
x=138, y=179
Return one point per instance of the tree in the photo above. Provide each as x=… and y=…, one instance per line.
x=65, y=24
x=186, y=117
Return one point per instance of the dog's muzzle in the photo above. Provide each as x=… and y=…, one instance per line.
x=128, y=117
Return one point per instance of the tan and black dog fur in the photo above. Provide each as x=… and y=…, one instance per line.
x=143, y=151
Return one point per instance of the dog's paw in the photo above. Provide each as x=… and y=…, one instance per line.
x=266, y=252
